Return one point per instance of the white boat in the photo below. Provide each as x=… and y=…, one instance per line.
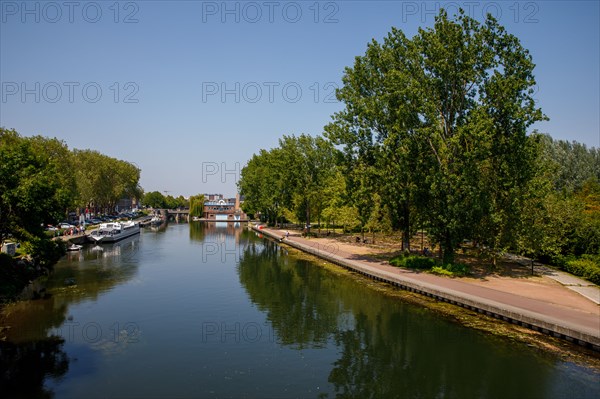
x=156, y=220
x=74, y=247
x=115, y=231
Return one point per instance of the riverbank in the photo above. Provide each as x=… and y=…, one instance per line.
x=537, y=303
x=20, y=279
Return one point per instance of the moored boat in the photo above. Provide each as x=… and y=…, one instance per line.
x=74, y=247
x=156, y=220
x=112, y=232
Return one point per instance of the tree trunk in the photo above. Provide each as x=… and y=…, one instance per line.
x=307, y=218
x=448, y=249
x=319, y=223
x=406, y=230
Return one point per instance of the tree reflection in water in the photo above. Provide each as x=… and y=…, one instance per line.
x=386, y=348
x=29, y=353
x=24, y=367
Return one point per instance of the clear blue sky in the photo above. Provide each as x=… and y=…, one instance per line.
x=191, y=89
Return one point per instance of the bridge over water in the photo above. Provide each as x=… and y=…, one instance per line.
x=179, y=215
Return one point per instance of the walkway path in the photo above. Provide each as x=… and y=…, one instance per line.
x=583, y=287
x=541, y=303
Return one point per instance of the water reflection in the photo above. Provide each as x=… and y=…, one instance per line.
x=31, y=349
x=387, y=348
x=284, y=289
x=176, y=314
x=215, y=231
x=24, y=367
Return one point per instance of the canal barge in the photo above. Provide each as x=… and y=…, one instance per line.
x=113, y=232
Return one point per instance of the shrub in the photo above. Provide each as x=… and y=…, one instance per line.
x=452, y=269
x=424, y=263
x=458, y=269
x=413, y=262
x=440, y=270
x=584, y=267
x=45, y=252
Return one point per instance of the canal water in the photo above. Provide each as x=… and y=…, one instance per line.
x=217, y=311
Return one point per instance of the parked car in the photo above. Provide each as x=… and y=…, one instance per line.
x=65, y=226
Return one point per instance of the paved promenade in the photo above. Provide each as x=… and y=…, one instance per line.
x=547, y=306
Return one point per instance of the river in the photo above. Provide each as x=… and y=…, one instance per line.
x=216, y=311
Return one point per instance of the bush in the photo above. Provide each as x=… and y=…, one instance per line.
x=452, y=269
x=13, y=277
x=413, y=262
x=45, y=252
x=424, y=263
x=585, y=267
x=441, y=271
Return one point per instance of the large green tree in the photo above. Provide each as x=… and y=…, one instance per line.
x=445, y=115
x=36, y=184
x=155, y=199
x=292, y=177
x=309, y=163
x=36, y=188
x=264, y=186
x=562, y=207
x=102, y=180
x=196, y=205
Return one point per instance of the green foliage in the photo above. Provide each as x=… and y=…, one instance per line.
x=155, y=199
x=292, y=176
x=40, y=180
x=36, y=184
x=441, y=271
x=430, y=264
x=103, y=180
x=347, y=217
x=573, y=164
x=413, y=262
x=452, y=270
x=171, y=202
x=196, y=205
x=588, y=268
x=442, y=117
x=434, y=134
x=45, y=252
x=559, y=221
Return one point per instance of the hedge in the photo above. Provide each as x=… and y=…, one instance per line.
x=413, y=262
x=585, y=268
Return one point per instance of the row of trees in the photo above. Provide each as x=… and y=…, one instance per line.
x=155, y=199
x=290, y=180
x=102, y=180
x=434, y=134
x=41, y=179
